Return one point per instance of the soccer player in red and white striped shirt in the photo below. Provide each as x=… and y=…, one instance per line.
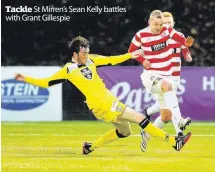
x=177, y=49
x=157, y=75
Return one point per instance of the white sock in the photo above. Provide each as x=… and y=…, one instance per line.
x=158, y=122
x=172, y=104
x=154, y=108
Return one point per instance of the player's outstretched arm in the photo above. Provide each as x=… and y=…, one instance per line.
x=186, y=53
x=188, y=42
x=105, y=60
x=57, y=78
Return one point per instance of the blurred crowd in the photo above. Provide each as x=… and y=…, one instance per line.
x=45, y=43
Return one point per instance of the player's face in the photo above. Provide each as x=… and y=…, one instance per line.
x=168, y=21
x=83, y=55
x=156, y=25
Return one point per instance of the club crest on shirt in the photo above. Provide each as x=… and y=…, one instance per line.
x=86, y=72
x=163, y=34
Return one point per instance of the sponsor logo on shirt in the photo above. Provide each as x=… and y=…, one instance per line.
x=159, y=46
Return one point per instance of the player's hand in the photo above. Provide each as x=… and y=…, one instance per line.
x=137, y=53
x=146, y=64
x=189, y=41
x=19, y=77
x=189, y=58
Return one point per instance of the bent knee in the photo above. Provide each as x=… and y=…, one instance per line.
x=127, y=133
x=166, y=115
x=166, y=86
x=123, y=133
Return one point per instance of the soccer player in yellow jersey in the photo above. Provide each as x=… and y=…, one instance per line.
x=81, y=71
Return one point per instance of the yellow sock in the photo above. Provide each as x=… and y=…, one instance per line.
x=105, y=139
x=157, y=132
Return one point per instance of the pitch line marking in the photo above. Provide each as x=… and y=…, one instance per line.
x=60, y=135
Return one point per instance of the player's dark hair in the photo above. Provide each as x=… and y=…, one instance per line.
x=76, y=43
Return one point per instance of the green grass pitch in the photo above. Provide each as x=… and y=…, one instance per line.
x=57, y=146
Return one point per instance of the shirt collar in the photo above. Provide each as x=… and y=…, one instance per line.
x=81, y=65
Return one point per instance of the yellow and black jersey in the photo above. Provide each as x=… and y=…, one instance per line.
x=85, y=78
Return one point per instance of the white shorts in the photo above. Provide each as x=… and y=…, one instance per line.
x=148, y=80
x=177, y=80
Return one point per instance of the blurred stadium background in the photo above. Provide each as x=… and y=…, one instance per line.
x=40, y=48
